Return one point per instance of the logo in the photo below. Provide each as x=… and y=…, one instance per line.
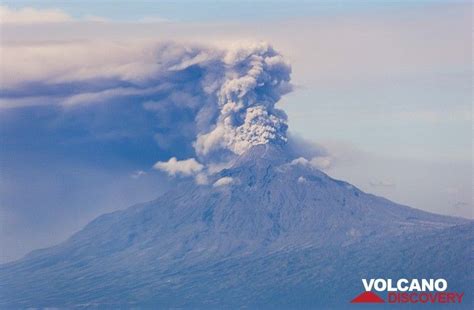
x=404, y=291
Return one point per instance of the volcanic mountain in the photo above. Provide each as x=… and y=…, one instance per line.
x=268, y=232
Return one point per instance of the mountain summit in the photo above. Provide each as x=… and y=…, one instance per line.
x=269, y=231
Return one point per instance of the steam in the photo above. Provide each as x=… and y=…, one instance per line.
x=179, y=167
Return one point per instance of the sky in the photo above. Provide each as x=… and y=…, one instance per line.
x=212, y=10
x=383, y=88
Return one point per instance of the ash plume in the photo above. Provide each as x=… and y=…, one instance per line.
x=254, y=80
x=207, y=98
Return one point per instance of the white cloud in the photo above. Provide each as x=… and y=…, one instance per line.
x=36, y=17
x=175, y=167
x=78, y=61
x=319, y=162
x=302, y=179
x=32, y=16
x=223, y=181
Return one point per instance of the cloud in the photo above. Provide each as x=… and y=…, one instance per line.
x=175, y=167
x=32, y=16
x=29, y=16
x=300, y=161
x=321, y=162
x=214, y=98
x=223, y=181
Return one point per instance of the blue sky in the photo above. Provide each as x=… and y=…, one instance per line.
x=383, y=86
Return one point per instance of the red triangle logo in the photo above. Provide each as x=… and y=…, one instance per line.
x=368, y=297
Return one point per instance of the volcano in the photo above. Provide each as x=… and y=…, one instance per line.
x=268, y=232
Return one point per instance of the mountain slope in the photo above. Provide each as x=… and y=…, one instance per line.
x=267, y=231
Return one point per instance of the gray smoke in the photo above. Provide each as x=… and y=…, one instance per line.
x=212, y=98
x=254, y=79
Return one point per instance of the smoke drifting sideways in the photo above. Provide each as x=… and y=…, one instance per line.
x=216, y=100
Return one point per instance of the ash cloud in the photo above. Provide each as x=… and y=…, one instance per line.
x=212, y=99
x=254, y=81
